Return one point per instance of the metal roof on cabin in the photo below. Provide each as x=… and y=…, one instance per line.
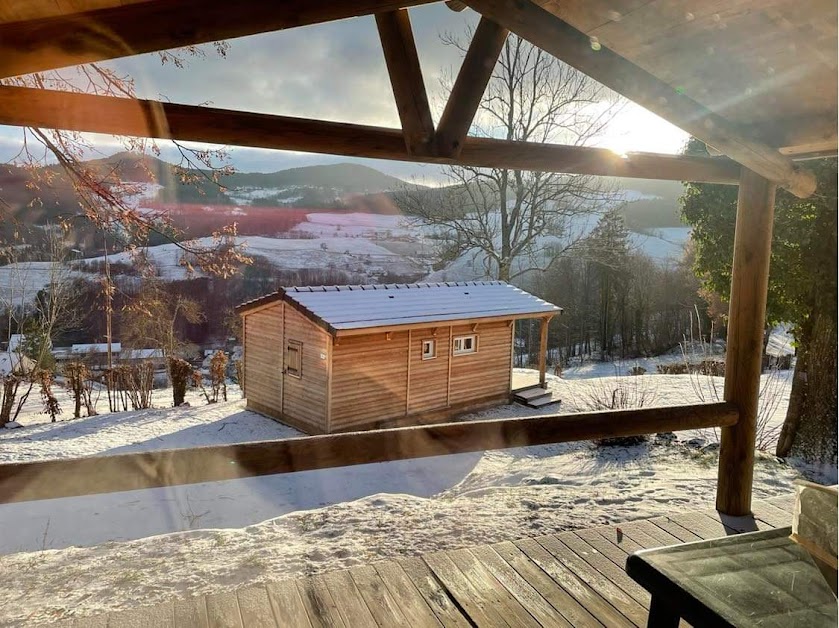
x=358, y=307
x=391, y=305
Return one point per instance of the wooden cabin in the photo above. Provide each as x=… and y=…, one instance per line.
x=339, y=358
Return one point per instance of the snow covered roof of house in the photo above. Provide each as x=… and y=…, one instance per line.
x=96, y=347
x=11, y=362
x=140, y=354
x=344, y=308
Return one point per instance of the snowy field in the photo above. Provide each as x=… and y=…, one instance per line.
x=343, y=253
x=105, y=552
x=373, y=244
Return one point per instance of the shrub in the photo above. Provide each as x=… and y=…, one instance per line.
x=180, y=372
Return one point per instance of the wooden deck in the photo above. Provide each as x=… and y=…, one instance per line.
x=572, y=578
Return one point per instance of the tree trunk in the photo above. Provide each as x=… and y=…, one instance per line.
x=810, y=430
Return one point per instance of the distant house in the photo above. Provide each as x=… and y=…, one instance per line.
x=338, y=358
x=12, y=362
x=94, y=355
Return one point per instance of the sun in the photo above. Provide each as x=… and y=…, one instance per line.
x=634, y=129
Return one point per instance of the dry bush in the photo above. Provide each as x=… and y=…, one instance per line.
x=240, y=375
x=80, y=384
x=620, y=393
x=180, y=371
x=131, y=385
x=218, y=375
x=637, y=370
x=49, y=400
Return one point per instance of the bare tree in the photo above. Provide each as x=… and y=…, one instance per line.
x=516, y=220
x=151, y=319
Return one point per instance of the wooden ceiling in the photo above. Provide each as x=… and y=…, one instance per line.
x=768, y=65
x=756, y=79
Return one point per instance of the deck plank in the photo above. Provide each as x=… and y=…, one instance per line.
x=318, y=602
x=415, y=609
x=491, y=587
x=191, y=613
x=255, y=608
x=771, y=514
x=607, y=589
x=613, y=534
x=287, y=604
x=784, y=502
x=382, y=605
x=674, y=529
x=603, y=565
x=480, y=609
x=565, y=603
x=519, y=587
x=432, y=591
x=586, y=595
x=223, y=611
x=348, y=599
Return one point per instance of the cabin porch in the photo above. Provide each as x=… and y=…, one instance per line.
x=572, y=578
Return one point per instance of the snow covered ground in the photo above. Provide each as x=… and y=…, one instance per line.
x=95, y=553
x=343, y=253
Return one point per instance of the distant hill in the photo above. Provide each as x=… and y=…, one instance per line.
x=27, y=207
x=651, y=204
x=351, y=178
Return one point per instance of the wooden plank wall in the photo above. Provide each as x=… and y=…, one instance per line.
x=305, y=399
x=428, y=377
x=485, y=373
x=263, y=331
x=369, y=379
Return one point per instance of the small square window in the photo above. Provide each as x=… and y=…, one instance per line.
x=429, y=349
x=464, y=344
x=294, y=358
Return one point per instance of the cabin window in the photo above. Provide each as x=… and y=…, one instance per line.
x=294, y=358
x=464, y=344
x=429, y=349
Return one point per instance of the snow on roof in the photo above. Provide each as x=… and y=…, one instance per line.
x=391, y=305
x=14, y=363
x=140, y=354
x=96, y=347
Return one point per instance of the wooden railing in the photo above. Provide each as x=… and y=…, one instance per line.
x=105, y=474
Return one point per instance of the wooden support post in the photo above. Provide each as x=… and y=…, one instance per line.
x=746, y=320
x=406, y=79
x=469, y=87
x=543, y=351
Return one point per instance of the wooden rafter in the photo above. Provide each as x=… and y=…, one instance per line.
x=57, y=42
x=21, y=106
x=123, y=472
x=469, y=87
x=544, y=29
x=406, y=79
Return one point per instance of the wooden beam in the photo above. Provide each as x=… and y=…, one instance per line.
x=124, y=472
x=137, y=28
x=543, y=351
x=469, y=87
x=405, y=73
x=22, y=106
x=744, y=347
x=544, y=29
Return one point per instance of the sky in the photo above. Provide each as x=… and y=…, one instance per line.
x=336, y=72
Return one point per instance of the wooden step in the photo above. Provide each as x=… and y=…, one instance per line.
x=541, y=402
x=530, y=393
